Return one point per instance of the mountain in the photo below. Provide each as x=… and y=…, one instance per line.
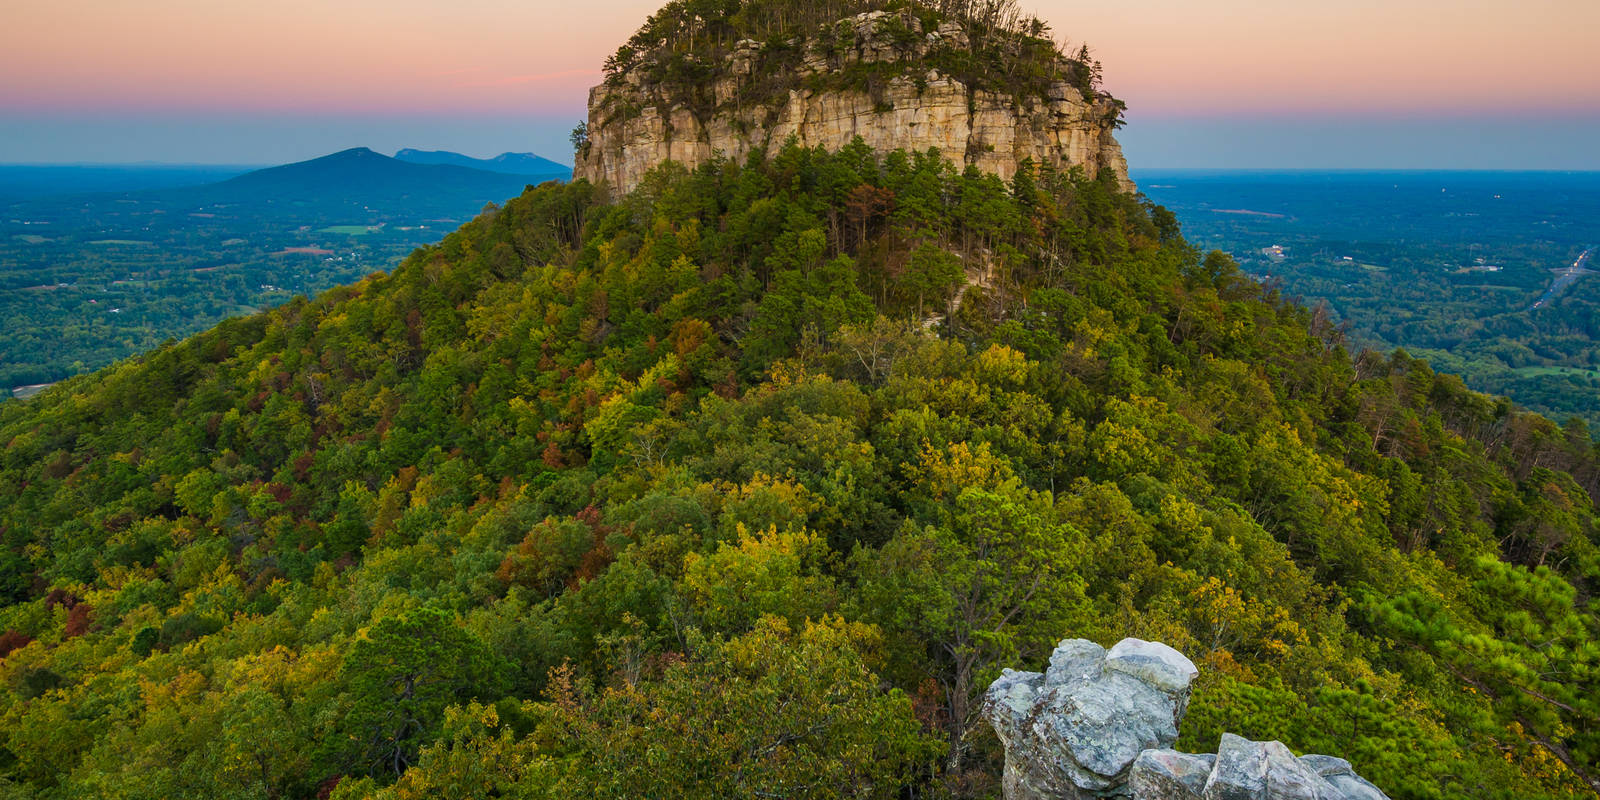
x=353, y=178
x=748, y=483
x=509, y=163
x=20, y=182
x=357, y=175
x=991, y=96
x=351, y=186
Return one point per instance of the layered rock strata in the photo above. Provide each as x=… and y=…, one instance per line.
x=634, y=126
x=1099, y=724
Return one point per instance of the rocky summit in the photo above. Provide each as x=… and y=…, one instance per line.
x=1099, y=724
x=1076, y=729
x=875, y=76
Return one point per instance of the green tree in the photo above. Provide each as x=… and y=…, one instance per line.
x=932, y=274
x=1538, y=659
x=991, y=582
x=776, y=712
x=399, y=677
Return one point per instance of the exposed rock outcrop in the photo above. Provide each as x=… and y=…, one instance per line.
x=1098, y=724
x=635, y=125
x=1075, y=730
x=1246, y=770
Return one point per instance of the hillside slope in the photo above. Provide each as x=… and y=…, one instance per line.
x=582, y=466
x=718, y=491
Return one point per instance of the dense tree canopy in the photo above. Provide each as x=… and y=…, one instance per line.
x=749, y=483
x=987, y=45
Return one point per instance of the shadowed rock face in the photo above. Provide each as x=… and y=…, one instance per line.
x=1097, y=724
x=1076, y=729
x=1246, y=770
x=634, y=126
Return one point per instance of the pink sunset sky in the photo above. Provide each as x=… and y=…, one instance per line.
x=1495, y=63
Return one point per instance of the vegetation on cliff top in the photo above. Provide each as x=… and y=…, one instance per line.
x=680, y=496
x=680, y=50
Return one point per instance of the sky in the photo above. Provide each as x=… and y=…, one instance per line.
x=1485, y=84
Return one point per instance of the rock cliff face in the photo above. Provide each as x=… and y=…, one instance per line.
x=635, y=125
x=1098, y=724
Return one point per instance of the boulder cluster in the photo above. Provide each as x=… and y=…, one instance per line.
x=1101, y=723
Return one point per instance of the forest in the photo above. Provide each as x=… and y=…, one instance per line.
x=748, y=483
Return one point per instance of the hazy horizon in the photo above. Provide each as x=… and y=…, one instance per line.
x=1236, y=84
x=1174, y=143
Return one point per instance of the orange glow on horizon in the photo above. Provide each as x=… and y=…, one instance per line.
x=1165, y=57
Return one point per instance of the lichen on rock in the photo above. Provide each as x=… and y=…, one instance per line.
x=1075, y=730
x=1099, y=724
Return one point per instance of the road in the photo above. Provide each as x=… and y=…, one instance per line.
x=1566, y=278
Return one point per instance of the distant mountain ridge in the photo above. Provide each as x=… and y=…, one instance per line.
x=508, y=163
x=360, y=173
x=356, y=185
x=351, y=175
